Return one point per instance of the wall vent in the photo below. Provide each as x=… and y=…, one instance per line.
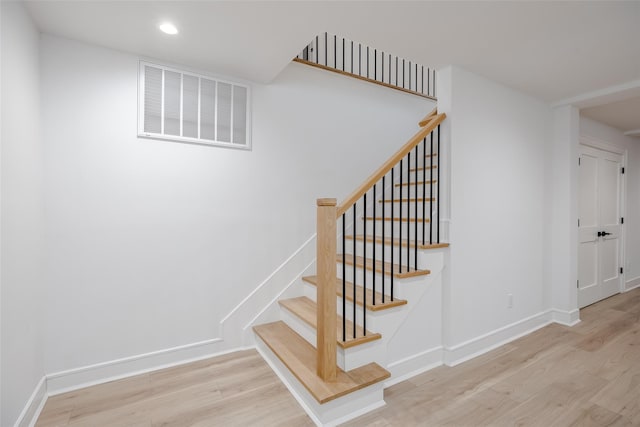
x=182, y=106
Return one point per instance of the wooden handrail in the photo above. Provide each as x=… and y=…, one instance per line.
x=390, y=163
x=428, y=117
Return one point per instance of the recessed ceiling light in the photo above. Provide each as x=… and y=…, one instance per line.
x=168, y=28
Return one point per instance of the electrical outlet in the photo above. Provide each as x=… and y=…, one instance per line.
x=509, y=300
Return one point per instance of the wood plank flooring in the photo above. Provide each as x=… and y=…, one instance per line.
x=234, y=389
x=587, y=375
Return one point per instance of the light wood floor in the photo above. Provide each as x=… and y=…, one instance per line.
x=587, y=375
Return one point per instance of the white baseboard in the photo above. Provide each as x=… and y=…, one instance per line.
x=411, y=366
x=73, y=379
x=567, y=318
x=476, y=346
x=632, y=284
x=32, y=409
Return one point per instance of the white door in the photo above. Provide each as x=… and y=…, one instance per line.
x=599, y=207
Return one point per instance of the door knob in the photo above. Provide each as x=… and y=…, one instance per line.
x=604, y=233
x=599, y=233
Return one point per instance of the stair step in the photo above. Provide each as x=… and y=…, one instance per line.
x=420, y=199
x=313, y=280
x=429, y=155
x=307, y=310
x=421, y=168
x=420, y=220
x=417, y=183
x=300, y=358
x=396, y=242
x=388, y=268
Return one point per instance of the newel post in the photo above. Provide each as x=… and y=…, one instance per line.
x=326, y=289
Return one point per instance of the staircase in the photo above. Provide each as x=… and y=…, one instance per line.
x=373, y=267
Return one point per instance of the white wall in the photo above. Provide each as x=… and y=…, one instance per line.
x=152, y=243
x=562, y=178
x=22, y=222
x=498, y=140
x=614, y=137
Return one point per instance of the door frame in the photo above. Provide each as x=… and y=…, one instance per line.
x=589, y=141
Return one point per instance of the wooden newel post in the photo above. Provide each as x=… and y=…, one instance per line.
x=326, y=289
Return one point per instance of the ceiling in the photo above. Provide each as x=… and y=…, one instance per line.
x=624, y=115
x=550, y=50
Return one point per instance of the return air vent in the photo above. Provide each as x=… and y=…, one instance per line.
x=183, y=106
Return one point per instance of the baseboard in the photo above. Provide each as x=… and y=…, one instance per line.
x=632, y=284
x=567, y=318
x=476, y=346
x=32, y=409
x=411, y=366
x=73, y=379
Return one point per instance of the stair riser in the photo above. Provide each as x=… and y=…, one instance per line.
x=335, y=411
x=360, y=245
x=387, y=228
x=347, y=359
x=374, y=318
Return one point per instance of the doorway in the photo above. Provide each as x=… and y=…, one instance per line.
x=600, y=224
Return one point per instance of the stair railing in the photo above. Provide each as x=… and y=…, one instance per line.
x=392, y=262
x=335, y=53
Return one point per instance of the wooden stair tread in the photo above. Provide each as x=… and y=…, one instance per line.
x=388, y=268
x=429, y=155
x=402, y=242
x=306, y=310
x=300, y=358
x=419, y=199
x=379, y=305
x=417, y=183
x=422, y=168
x=370, y=218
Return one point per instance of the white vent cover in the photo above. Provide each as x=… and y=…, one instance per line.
x=183, y=106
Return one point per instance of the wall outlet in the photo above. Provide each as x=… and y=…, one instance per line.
x=509, y=300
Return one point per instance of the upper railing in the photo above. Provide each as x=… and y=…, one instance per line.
x=383, y=240
x=344, y=56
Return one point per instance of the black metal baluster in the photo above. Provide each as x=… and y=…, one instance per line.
x=344, y=280
x=438, y=187
x=335, y=52
x=392, y=230
x=403, y=75
x=396, y=71
x=415, y=212
x=355, y=230
x=351, y=56
x=375, y=64
x=422, y=80
x=367, y=61
x=374, y=250
x=359, y=59
x=409, y=207
x=389, y=68
x=382, y=68
x=400, y=223
x=364, y=270
x=416, y=73
x=383, y=235
x=428, y=80
x=434, y=91
x=326, y=49
x=424, y=187
x=431, y=195
x=343, y=54
x=317, y=49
